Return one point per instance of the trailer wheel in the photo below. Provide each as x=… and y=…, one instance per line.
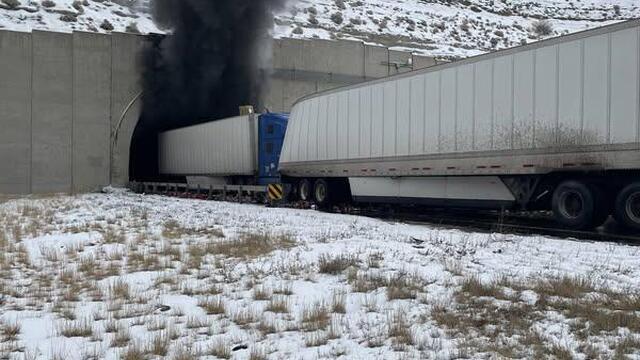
x=304, y=190
x=627, y=206
x=321, y=194
x=576, y=205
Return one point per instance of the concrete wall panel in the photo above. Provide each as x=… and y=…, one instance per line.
x=400, y=62
x=375, y=58
x=91, y=111
x=126, y=88
x=15, y=112
x=52, y=112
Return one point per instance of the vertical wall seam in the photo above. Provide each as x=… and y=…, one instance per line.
x=73, y=110
x=493, y=105
x=32, y=57
x=395, y=128
x=557, y=97
x=638, y=91
x=582, y=92
x=534, y=120
x=440, y=111
x=424, y=113
x=513, y=101
x=455, y=110
x=410, y=115
x=473, y=108
x=110, y=102
x=371, y=124
x=609, y=80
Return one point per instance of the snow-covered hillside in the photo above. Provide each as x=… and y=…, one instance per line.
x=76, y=15
x=449, y=27
x=455, y=28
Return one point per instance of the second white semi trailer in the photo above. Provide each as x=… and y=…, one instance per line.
x=550, y=125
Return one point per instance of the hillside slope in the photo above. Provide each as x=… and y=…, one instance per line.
x=455, y=28
x=443, y=28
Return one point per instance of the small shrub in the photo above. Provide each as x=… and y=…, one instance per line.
x=543, y=28
x=106, y=25
x=48, y=3
x=132, y=28
x=337, y=18
x=12, y=4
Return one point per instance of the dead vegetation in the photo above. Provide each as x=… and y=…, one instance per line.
x=493, y=310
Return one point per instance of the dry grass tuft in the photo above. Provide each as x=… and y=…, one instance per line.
x=119, y=290
x=220, y=349
x=364, y=282
x=338, y=303
x=400, y=330
x=315, y=317
x=252, y=245
x=159, y=345
x=134, y=352
x=404, y=286
x=473, y=286
x=278, y=305
x=81, y=328
x=121, y=338
x=10, y=331
x=337, y=264
x=565, y=286
x=260, y=293
x=173, y=230
x=213, y=306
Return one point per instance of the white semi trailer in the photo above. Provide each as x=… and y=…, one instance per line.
x=550, y=125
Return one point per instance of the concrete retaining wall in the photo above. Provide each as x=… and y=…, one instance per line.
x=58, y=95
x=303, y=67
x=63, y=98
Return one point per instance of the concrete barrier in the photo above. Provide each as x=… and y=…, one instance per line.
x=91, y=110
x=52, y=112
x=15, y=112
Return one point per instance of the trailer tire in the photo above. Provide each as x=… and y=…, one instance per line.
x=304, y=190
x=321, y=193
x=627, y=207
x=576, y=205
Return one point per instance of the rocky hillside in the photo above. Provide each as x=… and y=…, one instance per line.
x=444, y=28
x=450, y=28
x=79, y=15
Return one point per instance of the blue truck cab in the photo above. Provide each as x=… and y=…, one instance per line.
x=271, y=130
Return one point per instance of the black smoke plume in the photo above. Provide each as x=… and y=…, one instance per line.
x=214, y=59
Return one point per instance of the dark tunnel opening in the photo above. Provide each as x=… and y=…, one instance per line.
x=216, y=58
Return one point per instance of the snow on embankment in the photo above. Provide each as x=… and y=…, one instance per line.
x=120, y=275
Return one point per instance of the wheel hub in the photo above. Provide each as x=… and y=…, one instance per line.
x=304, y=191
x=633, y=207
x=321, y=193
x=571, y=204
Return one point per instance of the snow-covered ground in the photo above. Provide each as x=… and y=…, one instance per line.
x=121, y=275
x=443, y=28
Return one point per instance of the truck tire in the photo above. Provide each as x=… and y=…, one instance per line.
x=304, y=190
x=321, y=193
x=578, y=206
x=627, y=207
